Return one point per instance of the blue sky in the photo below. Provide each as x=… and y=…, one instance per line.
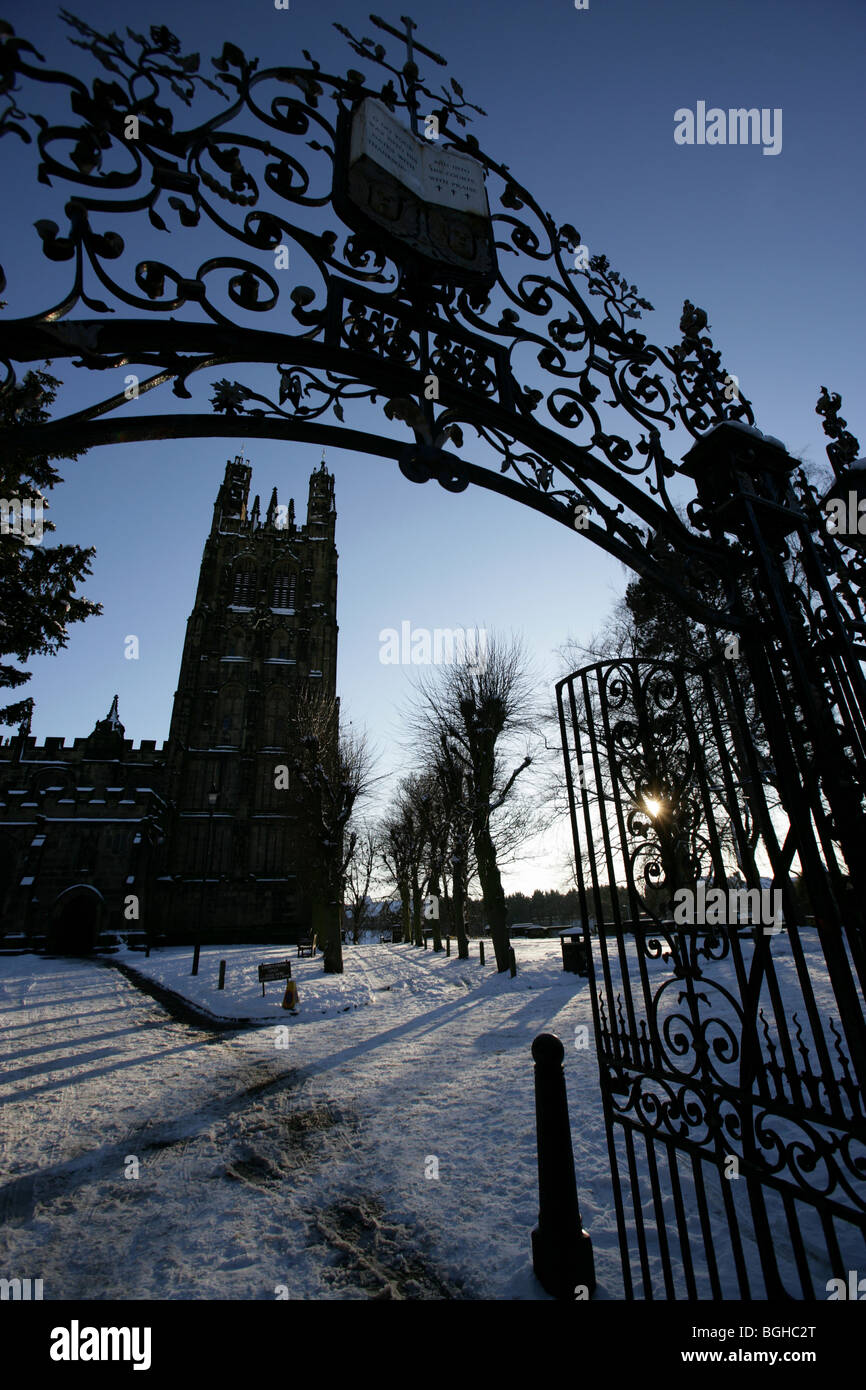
x=580, y=105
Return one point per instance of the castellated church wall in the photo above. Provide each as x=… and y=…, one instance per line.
x=101, y=834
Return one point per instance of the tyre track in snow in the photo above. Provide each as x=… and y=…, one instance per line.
x=253, y=1124
x=62, y=1162
x=250, y=1175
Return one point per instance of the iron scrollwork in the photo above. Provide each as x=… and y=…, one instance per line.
x=724, y=1050
x=526, y=365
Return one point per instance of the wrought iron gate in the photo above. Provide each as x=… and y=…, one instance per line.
x=733, y=1044
x=735, y=1122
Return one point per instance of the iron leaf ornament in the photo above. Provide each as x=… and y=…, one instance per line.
x=525, y=366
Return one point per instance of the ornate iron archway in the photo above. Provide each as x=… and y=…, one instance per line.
x=496, y=337
x=370, y=327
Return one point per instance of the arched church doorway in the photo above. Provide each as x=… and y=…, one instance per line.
x=75, y=921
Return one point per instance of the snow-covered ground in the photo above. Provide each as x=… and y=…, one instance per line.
x=379, y=1143
x=307, y=1166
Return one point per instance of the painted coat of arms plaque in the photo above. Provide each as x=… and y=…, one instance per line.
x=425, y=203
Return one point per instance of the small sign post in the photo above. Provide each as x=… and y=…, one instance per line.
x=274, y=970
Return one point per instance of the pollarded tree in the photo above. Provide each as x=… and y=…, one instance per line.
x=414, y=844
x=359, y=875
x=395, y=851
x=451, y=777
x=434, y=830
x=38, y=601
x=334, y=769
x=478, y=708
x=412, y=825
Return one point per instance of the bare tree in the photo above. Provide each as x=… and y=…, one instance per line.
x=451, y=776
x=650, y=627
x=434, y=829
x=334, y=768
x=395, y=851
x=412, y=823
x=359, y=874
x=468, y=715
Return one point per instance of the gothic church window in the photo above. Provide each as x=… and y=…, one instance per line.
x=280, y=645
x=230, y=717
x=220, y=861
x=236, y=643
x=283, y=594
x=276, y=723
x=269, y=796
x=269, y=849
x=243, y=591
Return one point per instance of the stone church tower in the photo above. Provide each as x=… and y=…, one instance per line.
x=263, y=626
x=206, y=833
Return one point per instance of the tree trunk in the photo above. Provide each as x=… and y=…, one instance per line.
x=326, y=927
x=458, y=906
x=405, y=912
x=494, y=898
x=447, y=924
x=435, y=892
x=460, y=923
x=358, y=918
x=417, y=925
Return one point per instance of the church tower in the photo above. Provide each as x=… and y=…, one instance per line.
x=263, y=627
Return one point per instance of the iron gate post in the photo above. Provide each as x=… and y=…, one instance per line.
x=561, y=1250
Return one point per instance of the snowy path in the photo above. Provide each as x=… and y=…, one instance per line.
x=260, y=1165
x=381, y=1143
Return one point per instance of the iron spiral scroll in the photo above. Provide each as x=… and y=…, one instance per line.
x=700, y=1060
x=527, y=365
x=732, y=1106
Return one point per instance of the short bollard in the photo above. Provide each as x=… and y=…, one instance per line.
x=481, y=952
x=195, y=954
x=561, y=1250
x=512, y=962
x=222, y=979
x=448, y=945
x=425, y=943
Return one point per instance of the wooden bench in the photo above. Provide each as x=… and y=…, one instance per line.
x=274, y=970
x=307, y=946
